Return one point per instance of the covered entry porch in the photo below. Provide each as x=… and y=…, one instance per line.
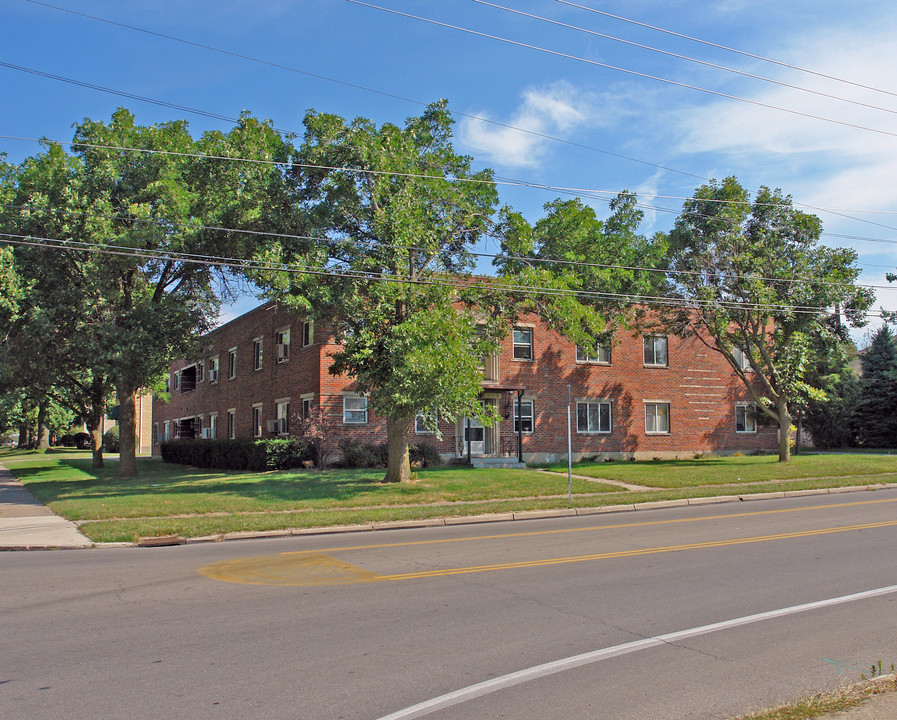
x=486, y=445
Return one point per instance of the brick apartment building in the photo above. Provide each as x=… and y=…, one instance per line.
x=646, y=397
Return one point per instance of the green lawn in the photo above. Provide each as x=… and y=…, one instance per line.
x=738, y=469
x=174, y=499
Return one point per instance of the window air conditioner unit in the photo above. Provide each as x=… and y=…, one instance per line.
x=274, y=426
x=283, y=351
x=213, y=376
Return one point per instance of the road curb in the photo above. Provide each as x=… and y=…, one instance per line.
x=504, y=517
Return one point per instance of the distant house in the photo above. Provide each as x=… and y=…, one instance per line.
x=648, y=396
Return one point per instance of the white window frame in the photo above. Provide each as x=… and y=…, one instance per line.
x=257, y=419
x=308, y=333
x=584, y=355
x=213, y=366
x=651, y=407
x=308, y=402
x=213, y=425
x=588, y=403
x=282, y=414
x=743, y=407
x=232, y=363
x=177, y=380
x=528, y=345
x=522, y=419
x=426, y=423
x=355, y=412
x=654, y=340
x=741, y=359
x=258, y=353
x=166, y=432
x=282, y=342
x=232, y=423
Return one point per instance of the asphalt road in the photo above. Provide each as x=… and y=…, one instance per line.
x=589, y=612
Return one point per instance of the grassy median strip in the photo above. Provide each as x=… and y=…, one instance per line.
x=169, y=499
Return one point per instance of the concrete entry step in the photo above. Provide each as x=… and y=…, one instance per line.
x=497, y=462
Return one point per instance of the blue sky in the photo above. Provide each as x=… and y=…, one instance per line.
x=619, y=130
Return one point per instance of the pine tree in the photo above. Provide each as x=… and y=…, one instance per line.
x=875, y=415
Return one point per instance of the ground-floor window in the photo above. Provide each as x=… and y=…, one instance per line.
x=283, y=416
x=257, y=420
x=231, y=424
x=657, y=417
x=593, y=416
x=213, y=425
x=745, y=418
x=426, y=423
x=355, y=410
x=523, y=416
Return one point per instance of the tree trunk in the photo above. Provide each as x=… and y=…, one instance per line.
x=43, y=432
x=127, y=429
x=784, y=432
x=398, y=466
x=23, y=435
x=94, y=421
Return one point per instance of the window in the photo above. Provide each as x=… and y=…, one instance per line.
x=593, y=416
x=188, y=379
x=591, y=355
x=282, y=340
x=355, y=410
x=657, y=418
x=166, y=431
x=177, y=380
x=741, y=359
x=257, y=420
x=308, y=333
x=283, y=416
x=168, y=383
x=523, y=416
x=231, y=424
x=655, y=351
x=213, y=369
x=200, y=372
x=745, y=418
x=232, y=363
x=523, y=344
x=257, y=350
x=308, y=402
x=213, y=425
x=426, y=423
x=155, y=433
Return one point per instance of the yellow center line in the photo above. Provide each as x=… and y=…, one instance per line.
x=628, y=553
x=591, y=528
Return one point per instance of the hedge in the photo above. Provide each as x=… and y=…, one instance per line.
x=255, y=455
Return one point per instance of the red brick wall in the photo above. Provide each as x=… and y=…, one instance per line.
x=698, y=384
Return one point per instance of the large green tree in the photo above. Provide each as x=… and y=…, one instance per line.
x=395, y=213
x=875, y=413
x=755, y=279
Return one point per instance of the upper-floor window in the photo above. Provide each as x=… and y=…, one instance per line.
x=657, y=417
x=355, y=409
x=523, y=344
x=188, y=378
x=742, y=361
x=593, y=416
x=523, y=416
x=601, y=355
x=257, y=350
x=426, y=423
x=308, y=333
x=282, y=340
x=213, y=369
x=232, y=363
x=745, y=418
x=656, y=351
x=177, y=380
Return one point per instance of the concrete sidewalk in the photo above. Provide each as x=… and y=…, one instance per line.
x=27, y=524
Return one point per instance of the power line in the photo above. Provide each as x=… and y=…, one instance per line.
x=678, y=56
x=412, y=248
x=357, y=86
x=50, y=243
x=617, y=68
x=728, y=49
x=398, y=97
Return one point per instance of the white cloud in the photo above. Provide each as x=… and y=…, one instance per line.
x=516, y=142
